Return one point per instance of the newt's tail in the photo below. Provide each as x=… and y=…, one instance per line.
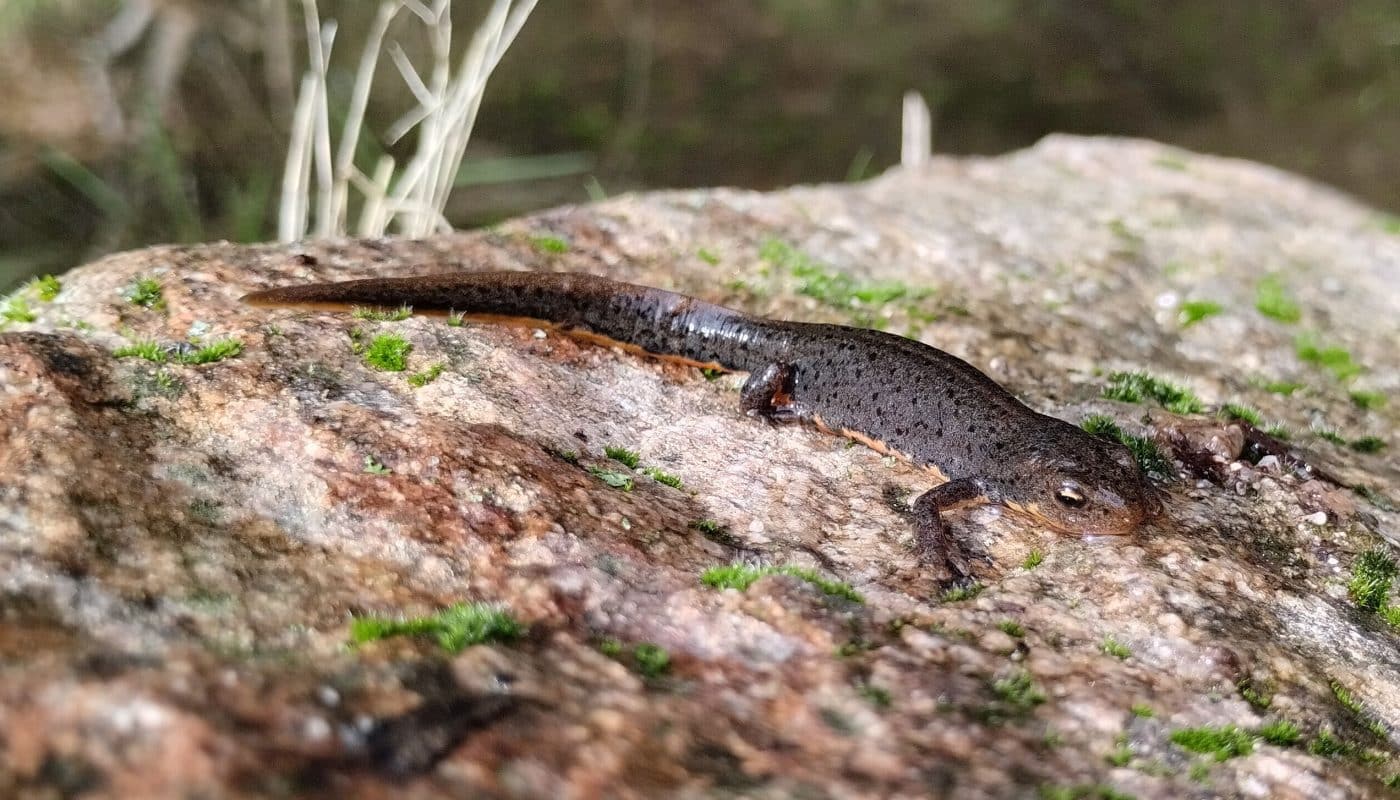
x=654, y=320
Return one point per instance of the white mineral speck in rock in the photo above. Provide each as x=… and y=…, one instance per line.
x=328, y=696
x=139, y=715
x=316, y=729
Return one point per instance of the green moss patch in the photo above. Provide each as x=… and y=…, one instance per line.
x=420, y=379
x=632, y=460
x=647, y=658
x=1371, y=577
x=622, y=455
x=1193, y=311
x=47, y=287
x=157, y=353
x=379, y=315
x=1120, y=229
x=878, y=696
x=1344, y=696
x=741, y=577
x=1281, y=733
x=1244, y=413
x=1011, y=628
x=1110, y=646
x=388, y=352
x=708, y=527
x=1368, y=444
x=455, y=628
x=832, y=288
x=960, y=593
x=17, y=309
x=212, y=352
x=652, y=659
x=1272, y=299
x=1391, y=615
x=1368, y=400
x=1018, y=690
x=662, y=477
x=1330, y=435
x=1121, y=756
x=551, y=245
x=1373, y=497
x=145, y=292
x=1259, y=694
x=1336, y=360
x=147, y=349
x=1222, y=742
x=715, y=532
x=1145, y=451
x=1136, y=387
x=1353, y=704
x=167, y=384
x=1327, y=744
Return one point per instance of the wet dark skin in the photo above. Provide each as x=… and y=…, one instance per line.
x=894, y=394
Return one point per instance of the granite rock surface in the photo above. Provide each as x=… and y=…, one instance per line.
x=201, y=564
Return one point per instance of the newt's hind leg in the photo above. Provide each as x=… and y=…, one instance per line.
x=936, y=548
x=768, y=394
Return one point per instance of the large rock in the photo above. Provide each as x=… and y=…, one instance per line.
x=183, y=548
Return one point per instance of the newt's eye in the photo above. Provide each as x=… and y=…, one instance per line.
x=1069, y=495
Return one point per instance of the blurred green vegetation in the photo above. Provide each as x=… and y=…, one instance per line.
x=624, y=94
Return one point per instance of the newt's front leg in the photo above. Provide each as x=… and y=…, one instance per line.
x=768, y=394
x=935, y=547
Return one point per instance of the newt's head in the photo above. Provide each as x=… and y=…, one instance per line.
x=1078, y=483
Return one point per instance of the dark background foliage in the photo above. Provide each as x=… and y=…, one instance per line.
x=178, y=135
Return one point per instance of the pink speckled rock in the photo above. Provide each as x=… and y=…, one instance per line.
x=183, y=548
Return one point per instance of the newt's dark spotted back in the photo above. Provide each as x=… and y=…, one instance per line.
x=888, y=391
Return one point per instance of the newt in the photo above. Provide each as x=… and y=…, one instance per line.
x=891, y=393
